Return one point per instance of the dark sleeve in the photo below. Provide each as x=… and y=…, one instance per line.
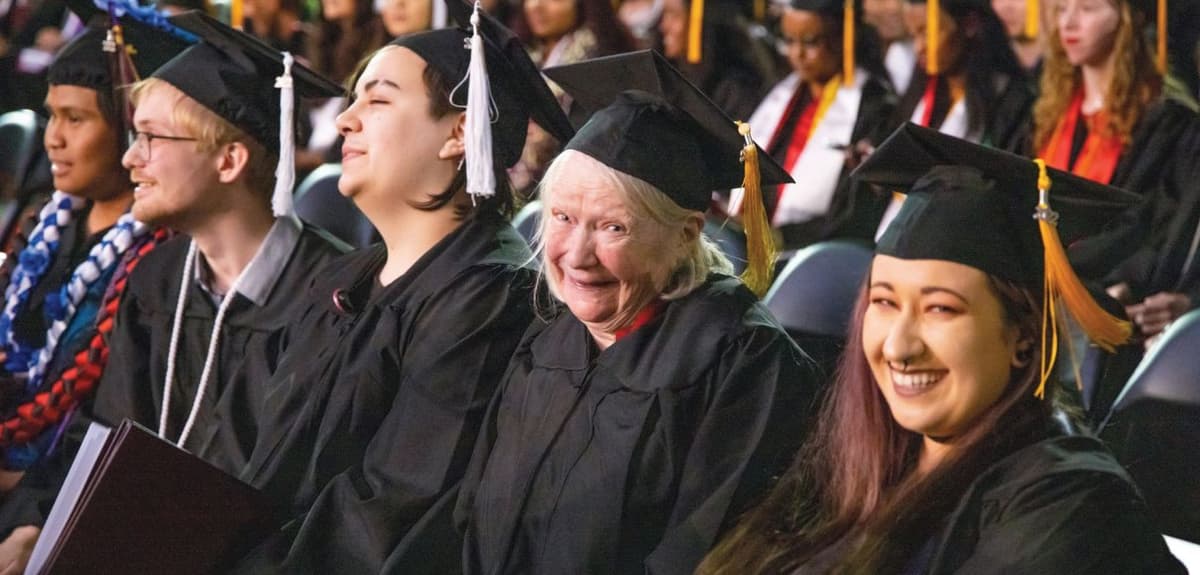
x=1090, y=523
x=395, y=507
x=753, y=426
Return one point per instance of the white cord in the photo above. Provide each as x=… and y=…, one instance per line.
x=208, y=358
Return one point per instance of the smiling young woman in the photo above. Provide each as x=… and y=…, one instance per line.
x=941, y=448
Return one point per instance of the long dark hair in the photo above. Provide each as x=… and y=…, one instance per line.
x=868, y=49
x=335, y=52
x=854, y=483
x=597, y=16
x=987, y=54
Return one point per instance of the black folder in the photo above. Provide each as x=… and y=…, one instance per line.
x=135, y=503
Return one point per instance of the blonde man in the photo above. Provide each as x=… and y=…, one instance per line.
x=201, y=324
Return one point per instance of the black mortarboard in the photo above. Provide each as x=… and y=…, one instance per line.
x=668, y=134
x=517, y=88
x=233, y=74
x=974, y=205
x=84, y=62
x=1002, y=214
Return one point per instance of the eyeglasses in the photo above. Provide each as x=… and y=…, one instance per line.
x=142, y=142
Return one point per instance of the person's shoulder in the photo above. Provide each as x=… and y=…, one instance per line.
x=1076, y=461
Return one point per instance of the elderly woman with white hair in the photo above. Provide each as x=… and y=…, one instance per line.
x=659, y=397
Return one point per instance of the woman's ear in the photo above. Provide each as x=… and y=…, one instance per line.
x=455, y=145
x=1023, y=354
x=692, y=227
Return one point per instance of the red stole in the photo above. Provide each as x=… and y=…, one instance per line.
x=647, y=315
x=1099, y=156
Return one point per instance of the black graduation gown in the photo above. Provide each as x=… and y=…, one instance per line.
x=857, y=208
x=248, y=350
x=1147, y=245
x=373, y=414
x=633, y=460
x=132, y=383
x=1006, y=125
x=1062, y=505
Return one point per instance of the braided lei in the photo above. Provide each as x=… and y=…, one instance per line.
x=25, y=361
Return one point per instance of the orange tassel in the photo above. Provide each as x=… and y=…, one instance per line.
x=1063, y=286
x=695, y=48
x=933, y=12
x=1161, y=57
x=760, y=240
x=1032, y=18
x=848, y=44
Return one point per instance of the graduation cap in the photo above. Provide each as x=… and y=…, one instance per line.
x=503, y=89
x=835, y=8
x=648, y=121
x=1000, y=213
x=235, y=75
x=87, y=62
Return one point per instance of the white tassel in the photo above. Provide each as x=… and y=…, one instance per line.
x=481, y=180
x=440, y=16
x=285, y=172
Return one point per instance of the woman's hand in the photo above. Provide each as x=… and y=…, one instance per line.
x=1153, y=315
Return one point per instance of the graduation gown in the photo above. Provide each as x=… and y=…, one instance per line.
x=1005, y=125
x=854, y=209
x=372, y=417
x=1148, y=245
x=634, y=459
x=132, y=383
x=1061, y=505
x=248, y=350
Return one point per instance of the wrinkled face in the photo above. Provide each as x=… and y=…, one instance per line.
x=1012, y=15
x=551, y=19
x=951, y=42
x=601, y=259
x=176, y=183
x=937, y=342
x=674, y=29
x=82, y=145
x=809, y=46
x=391, y=138
x=886, y=16
x=406, y=16
x=334, y=10
x=1087, y=30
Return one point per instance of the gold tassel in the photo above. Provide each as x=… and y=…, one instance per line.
x=933, y=13
x=1161, y=57
x=235, y=15
x=848, y=44
x=695, y=47
x=1032, y=18
x=760, y=11
x=760, y=240
x=1061, y=284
